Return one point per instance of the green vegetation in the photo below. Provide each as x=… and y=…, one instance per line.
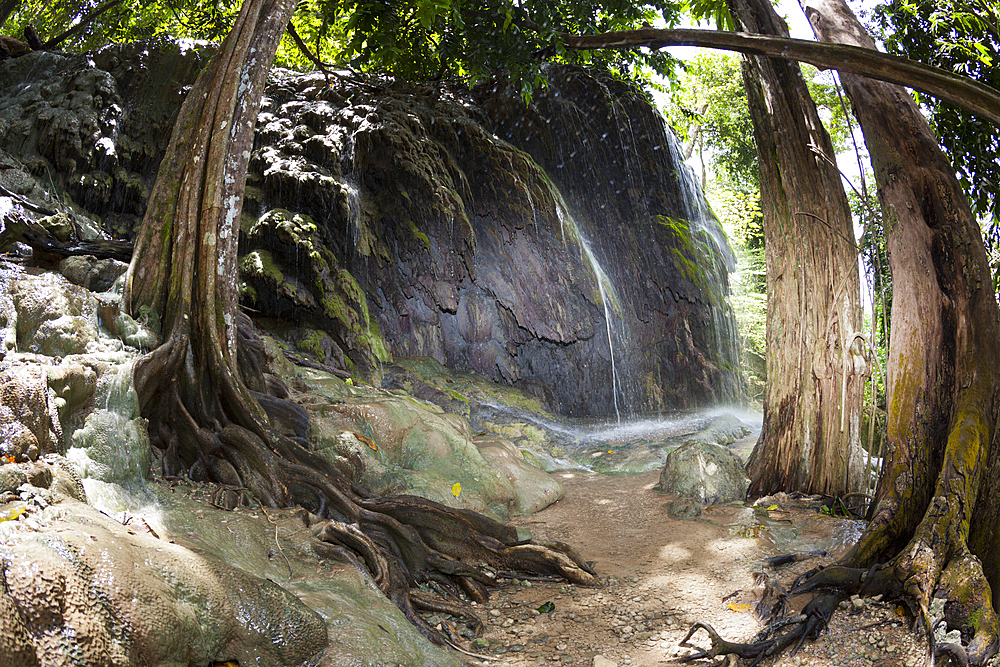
x=963, y=37
x=414, y=39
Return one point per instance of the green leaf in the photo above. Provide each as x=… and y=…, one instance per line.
x=547, y=607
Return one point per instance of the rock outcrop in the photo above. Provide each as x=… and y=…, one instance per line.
x=703, y=468
x=561, y=247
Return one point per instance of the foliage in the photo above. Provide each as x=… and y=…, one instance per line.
x=709, y=106
x=427, y=39
x=414, y=39
x=962, y=36
x=122, y=21
x=875, y=259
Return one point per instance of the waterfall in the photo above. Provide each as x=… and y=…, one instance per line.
x=601, y=278
x=112, y=451
x=603, y=286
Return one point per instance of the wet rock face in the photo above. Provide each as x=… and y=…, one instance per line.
x=571, y=255
x=561, y=248
x=619, y=169
x=94, y=125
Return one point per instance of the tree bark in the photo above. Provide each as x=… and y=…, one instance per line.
x=937, y=497
x=202, y=391
x=961, y=91
x=816, y=364
x=184, y=265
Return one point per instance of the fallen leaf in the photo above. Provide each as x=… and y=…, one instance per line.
x=456, y=489
x=738, y=607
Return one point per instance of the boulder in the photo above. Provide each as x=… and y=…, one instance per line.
x=704, y=471
x=534, y=489
x=29, y=420
x=53, y=317
x=104, y=594
x=97, y=275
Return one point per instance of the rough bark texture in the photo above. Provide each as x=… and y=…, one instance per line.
x=202, y=390
x=817, y=365
x=959, y=90
x=934, y=521
x=934, y=501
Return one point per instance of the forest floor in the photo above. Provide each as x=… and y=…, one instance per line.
x=663, y=574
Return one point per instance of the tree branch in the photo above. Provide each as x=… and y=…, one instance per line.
x=304, y=48
x=982, y=100
x=81, y=25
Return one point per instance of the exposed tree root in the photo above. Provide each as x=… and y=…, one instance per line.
x=403, y=542
x=807, y=625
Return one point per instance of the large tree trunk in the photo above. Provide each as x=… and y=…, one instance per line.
x=202, y=390
x=937, y=510
x=936, y=499
x=816, y=356
x=184, y=264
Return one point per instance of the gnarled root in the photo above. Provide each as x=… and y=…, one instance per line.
x=969, y=609
x=807, y=625
x=223, y=434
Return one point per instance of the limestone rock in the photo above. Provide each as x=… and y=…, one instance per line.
x=534, y=489
x=29, y=421
x=400, y=444
x=54, y=318
x=723, y=430
x=97, y=275
x=704, y=471
x=102, y=594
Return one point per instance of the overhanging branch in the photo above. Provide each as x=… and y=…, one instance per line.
x=980, y=99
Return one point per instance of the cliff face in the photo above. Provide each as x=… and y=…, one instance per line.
x=560, y=247
x=619, y=169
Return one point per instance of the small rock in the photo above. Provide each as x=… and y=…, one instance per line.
x=601, y=661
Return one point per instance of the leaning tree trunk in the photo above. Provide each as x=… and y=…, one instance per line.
x=816, y=355
x=936, y=505
x=202, y=390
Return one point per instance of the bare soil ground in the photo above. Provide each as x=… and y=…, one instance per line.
x=662, y=574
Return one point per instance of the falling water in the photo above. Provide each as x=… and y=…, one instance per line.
x=601, y=278
x=603, y=285
x=353, y=210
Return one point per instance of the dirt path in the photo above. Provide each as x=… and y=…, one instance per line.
x=662, y=574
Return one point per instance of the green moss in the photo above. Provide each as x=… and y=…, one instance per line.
x=246, y=292
x=260, y=264
x=686, y=266
x=419, y=235
x=311, y=342
x=679, y=227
